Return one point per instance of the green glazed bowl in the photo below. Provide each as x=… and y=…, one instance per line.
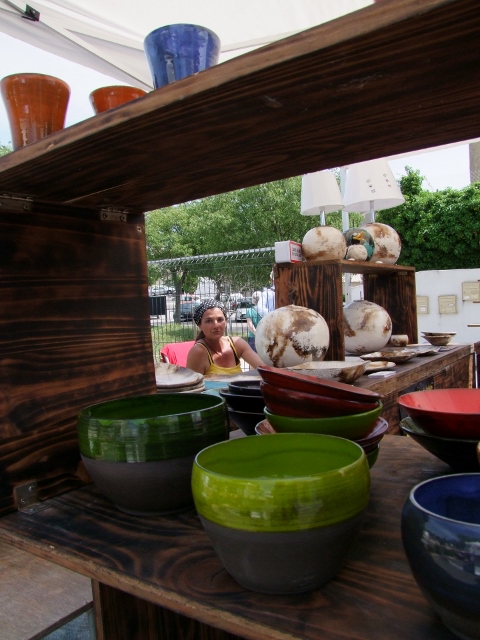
x=152, y=428
x=286, y=482
x=352, y=427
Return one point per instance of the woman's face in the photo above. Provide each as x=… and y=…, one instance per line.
x=213, y=323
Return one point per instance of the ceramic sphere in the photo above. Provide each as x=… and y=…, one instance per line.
x=441, y=537
x=360, y=244
x=323, y=243
x=292, y=335
x=282, y=512
x=367, y=327
x=387, y=243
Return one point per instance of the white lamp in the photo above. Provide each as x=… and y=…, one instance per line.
x=320, y=195
x=370, y=186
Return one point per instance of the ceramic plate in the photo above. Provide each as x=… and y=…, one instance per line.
x=175, y=377
x=402, y=355
x=424, y=349
x=379, y=365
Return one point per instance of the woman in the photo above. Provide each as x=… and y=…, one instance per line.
x=214, y=352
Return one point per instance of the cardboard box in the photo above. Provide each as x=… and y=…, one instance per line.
x=288, y=251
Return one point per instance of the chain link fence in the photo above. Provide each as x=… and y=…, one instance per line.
x=181, y=283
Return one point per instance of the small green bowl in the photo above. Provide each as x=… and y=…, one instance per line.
x=287, y=482
x=352, y=427
x=152, y=428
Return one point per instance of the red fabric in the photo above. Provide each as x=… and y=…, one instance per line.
x=177, y=352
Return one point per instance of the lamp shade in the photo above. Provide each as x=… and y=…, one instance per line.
x=320, y=194
x=371, y=186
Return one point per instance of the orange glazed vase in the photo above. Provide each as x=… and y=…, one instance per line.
x=36, y=106
x=107, y=98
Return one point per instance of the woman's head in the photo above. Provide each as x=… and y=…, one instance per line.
x=210, y=315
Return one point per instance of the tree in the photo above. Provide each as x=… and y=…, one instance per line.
x=439, y=230
x=4, y=149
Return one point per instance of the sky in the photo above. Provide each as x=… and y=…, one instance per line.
x=441, y=168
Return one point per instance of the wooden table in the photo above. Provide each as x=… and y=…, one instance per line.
x=160, y=578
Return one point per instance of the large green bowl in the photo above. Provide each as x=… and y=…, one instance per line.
x=285, y=482
x=282, y=512
x=352, y=427
x=151, y=428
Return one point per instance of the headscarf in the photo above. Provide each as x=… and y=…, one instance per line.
x=210, y=303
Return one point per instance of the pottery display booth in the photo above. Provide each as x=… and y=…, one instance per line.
x=282, y=512
x=176, y=51
x=36, y=106
x=441, y=537
x=139, y=451
x=106, y=98
x=291, y=335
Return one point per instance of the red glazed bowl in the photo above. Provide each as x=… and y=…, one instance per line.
x=294, y=381
x=449, y=413
x=286, y=402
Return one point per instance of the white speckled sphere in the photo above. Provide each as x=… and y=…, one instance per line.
x=356, y=252
x=367, y=327
x=291, y=335
x=324, y=243
x=387, y=243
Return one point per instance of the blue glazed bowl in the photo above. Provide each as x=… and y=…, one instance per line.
x=441, y=537
x=176, y=51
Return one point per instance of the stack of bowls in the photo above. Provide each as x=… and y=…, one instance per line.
x=245, y=404
x=305, y=404
x=139, y=451
x=282, y=512
x=446, y=422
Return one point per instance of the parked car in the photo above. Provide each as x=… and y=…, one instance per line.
x=241, y=308
x=159, y=290
x=187, y=309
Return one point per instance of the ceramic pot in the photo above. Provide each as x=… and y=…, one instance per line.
x=352, y=426
x=367, y=327
x=360, y=244
x=106, y=98
x=387, y=243
x=36, y=106
x=441, y=536
x=151, y=428
x=282, y=512
x=323, y=243
x=292, y=335
x=176, y=51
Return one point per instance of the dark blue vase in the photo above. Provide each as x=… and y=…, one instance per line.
x=176, y=51
x=441, y=537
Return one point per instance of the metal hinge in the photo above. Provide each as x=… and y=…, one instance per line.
x=26, y=498
x=114, y=215
x=15, y=203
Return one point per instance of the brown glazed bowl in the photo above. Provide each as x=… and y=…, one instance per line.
x=106, y=98
x=294, y=381
x=286, y=402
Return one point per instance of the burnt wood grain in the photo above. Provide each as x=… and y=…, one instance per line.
x=168, y=561
x=74, y=330
x=390, y=78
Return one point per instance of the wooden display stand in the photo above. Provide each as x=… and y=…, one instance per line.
x=318, y=285
x=74, y=317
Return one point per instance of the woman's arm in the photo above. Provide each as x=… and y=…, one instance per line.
x=245, y=351
x=250, y=325
x=197, y=359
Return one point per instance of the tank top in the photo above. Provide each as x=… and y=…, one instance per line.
x=215, y=369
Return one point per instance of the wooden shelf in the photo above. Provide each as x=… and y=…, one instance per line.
x=169, y=562
x=394, y=77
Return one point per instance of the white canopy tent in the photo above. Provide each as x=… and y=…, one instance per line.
x=108, y=36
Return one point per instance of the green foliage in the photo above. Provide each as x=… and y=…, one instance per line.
x=439, y=230
x=4, y=149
